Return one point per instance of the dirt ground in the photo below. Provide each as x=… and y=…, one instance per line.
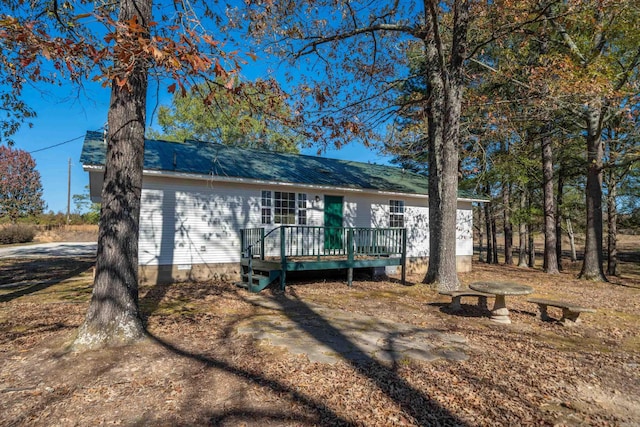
x=67, y=233
x=195, y=369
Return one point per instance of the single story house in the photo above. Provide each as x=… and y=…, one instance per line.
x=197, y=196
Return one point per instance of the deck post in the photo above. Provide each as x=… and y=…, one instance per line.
x=250, y=269
x=403, y=260
x=262, y=243
x=350, y=256
x=283, y=257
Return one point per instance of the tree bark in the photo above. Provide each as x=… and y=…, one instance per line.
x=507, y=227
x=612, y=223
x=494, y=238
x=550, y=263
x=487, y=224
x=522, y=233
x=113, y=317
x=531, y=262
x=593, y=257
x=572, y=241
x=443, y=185
x=480, y=234
x=445, y=89
x=559, y=217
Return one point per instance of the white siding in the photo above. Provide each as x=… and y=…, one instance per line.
x=464, y=229
x=417, y=224
x=186, y=222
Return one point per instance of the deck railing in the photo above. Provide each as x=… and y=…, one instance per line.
x=332, y=247
x=316, y=241
x=252, y=242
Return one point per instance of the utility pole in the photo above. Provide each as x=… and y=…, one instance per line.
x=69, y=193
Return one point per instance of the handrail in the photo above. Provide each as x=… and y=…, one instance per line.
x=320, y=241
x=262, y=238
x=356, y=244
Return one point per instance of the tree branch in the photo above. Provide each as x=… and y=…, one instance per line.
x=573, y=47
x=318, y=41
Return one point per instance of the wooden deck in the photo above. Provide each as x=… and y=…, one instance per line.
x=267, y=257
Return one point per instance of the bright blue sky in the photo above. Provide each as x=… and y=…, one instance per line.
x=64, y=113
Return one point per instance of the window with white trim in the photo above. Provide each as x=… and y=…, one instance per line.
x=396, y=213
x=281, y=207
x=302, y=209
x=284, y=204
x=266, y=205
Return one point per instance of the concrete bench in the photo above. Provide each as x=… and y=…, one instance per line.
x=457, y=295
x=570, y=311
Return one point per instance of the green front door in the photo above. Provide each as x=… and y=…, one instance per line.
x=333, y=222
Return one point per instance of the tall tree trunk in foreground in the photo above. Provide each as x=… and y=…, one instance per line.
x=593, y=251
x=559, y=217
x=550, y=259
x=113, y=317
x=445, y=88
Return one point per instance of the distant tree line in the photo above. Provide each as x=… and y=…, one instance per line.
x=550, y=130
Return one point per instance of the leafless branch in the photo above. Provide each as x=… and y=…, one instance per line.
x=317, y=41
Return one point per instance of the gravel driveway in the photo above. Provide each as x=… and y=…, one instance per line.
x=57, y=249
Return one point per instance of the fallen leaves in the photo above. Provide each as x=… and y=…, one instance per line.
x=527, y=373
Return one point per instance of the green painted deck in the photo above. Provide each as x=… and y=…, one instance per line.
x=303, y=248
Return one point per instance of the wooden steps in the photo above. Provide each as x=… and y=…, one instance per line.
x=257, y=280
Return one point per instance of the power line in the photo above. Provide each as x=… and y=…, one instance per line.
x=56, y=145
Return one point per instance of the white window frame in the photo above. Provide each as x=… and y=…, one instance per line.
x=284, y=207
x=396, y=213
x=266, y=207
x=301, y=207
x=269, y=211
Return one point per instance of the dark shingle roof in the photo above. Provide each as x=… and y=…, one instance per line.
x=205, y=158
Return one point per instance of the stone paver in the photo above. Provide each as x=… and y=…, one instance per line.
x=328, y=335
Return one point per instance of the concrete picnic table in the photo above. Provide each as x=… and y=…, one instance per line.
x=500, y=313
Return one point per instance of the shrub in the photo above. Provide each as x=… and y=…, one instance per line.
x=16, y=233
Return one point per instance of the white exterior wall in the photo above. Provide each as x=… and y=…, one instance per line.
x=464, y=229
x=194, y=222
x=186, y=222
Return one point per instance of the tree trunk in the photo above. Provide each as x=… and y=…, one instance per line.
x=559, y=219
x=443, y=185
x=572, y=241
x=593, y=257
x=550, y=263
x=494, y=238
x=487, y=225
x=530, y=243
x=445, y=89
x=508, y=227
x=522, y=233
x=480, y=234
x=113, y=317
x=612, y=223
x=531, y=262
